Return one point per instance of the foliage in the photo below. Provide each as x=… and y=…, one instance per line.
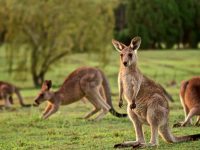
x=155, y=21
x=46, y=31
x=189, y=16
x=164, y=23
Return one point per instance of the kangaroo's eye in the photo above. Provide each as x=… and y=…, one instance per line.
x=121, y=55
x=42, y=95
x=130, y=55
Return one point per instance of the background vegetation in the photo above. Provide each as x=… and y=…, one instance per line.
x=162, y=24
x=40, y=33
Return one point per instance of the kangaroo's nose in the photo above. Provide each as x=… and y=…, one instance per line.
x=37, y=102
x=125, y=63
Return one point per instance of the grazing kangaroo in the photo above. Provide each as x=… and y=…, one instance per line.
x=6, y=92
x=147, y=100
x=84, y=82
x=190, y=99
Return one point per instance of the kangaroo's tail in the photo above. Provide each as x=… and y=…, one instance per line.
x=183, y=89
x=170, y=138
x=167, y=95
x=108, y=97
x=20, y=98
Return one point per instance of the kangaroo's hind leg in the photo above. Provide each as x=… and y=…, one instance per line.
x=97, y=107
x=194, y=111
x=94, y=95
x=101, y=91
x=91, y=85
x=186, y=111
x=156, y=116
x=140, y=141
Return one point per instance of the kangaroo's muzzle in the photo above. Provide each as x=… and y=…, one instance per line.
x=36, y=103
x=125, y=64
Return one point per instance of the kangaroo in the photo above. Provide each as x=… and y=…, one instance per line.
x=147, y=101
x=6, y=92
x=190, y=99
x=84, y=82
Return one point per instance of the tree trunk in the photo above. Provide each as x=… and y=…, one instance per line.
x=38, y=79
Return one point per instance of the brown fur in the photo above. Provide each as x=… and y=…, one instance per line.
x=190, y=99
x=6, y=92
x=147, y=100
x=84, y=82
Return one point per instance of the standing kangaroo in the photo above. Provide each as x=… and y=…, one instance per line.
x=147, y=100
x=6, y=92
x=84, y=82
x=190, y=99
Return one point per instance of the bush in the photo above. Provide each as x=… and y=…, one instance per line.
x=169, y=23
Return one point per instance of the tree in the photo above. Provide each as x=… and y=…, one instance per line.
x=155, y=21
x=3, y=30
x=189, y=22
x=197, y=22
x=42, y=32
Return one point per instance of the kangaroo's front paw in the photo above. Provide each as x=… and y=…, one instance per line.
x=133, y=106
x=120, y=103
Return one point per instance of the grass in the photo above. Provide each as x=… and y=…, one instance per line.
x=22, y=129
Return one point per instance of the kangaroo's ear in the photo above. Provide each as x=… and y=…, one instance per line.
x=135, y=43
x=46, y=85
x=118, y=45
x=49, y=84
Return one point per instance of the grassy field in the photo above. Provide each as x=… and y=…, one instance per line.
x=22, y=129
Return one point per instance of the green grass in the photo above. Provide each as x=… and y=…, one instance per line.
x=23, y=129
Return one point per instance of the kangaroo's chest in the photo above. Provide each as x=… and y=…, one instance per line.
x=129, y=85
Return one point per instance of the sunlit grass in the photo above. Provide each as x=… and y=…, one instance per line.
x=23, y=129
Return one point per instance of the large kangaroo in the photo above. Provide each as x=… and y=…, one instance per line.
x=190, y=99
x=147, y=100
x=84, y=82
x=6, y=92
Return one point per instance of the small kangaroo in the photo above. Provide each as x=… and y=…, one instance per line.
x=190, y=99
x=147, y=100
x=84, y=82
x=6, y=92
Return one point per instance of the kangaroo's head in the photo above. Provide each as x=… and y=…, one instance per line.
x=44, y=93
x=128, y=54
